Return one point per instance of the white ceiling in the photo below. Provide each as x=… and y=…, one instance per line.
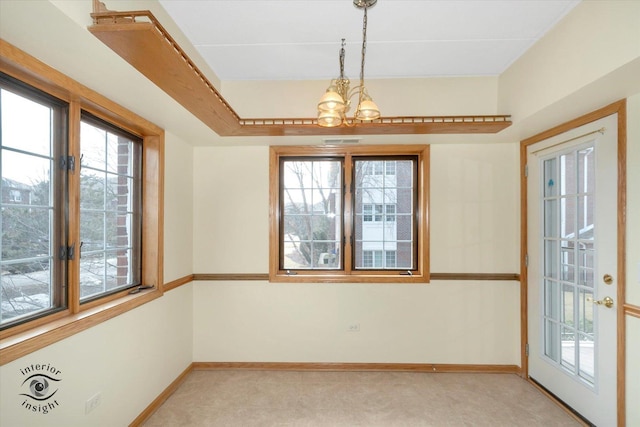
x=300, y=39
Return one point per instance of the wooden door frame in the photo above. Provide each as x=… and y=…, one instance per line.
x=619, y=107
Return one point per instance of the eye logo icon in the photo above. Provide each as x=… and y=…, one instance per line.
x=39, y=387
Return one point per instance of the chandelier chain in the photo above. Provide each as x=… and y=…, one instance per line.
x=342, y=60
x=364, y=46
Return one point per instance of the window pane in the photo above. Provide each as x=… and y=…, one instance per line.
x=311, y=206
x=386, y=225
x=109, y=210
x=32, y=278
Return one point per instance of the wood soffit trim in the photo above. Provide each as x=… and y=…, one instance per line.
x=140, y=39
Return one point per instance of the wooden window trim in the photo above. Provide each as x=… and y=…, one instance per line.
x=20, y=340
x=350, y=275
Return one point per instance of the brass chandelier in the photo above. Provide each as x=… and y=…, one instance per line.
x=336, y=102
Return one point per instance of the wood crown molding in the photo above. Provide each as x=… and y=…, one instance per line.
x=140, y=39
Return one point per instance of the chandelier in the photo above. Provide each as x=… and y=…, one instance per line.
x=336, y=102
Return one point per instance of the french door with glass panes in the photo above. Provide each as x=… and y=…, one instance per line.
x=572, y=213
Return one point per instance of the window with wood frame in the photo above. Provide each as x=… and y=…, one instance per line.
x=349, y=214
x=73, y=206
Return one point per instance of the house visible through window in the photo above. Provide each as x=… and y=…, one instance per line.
x=33, y=203
x=349, y=213
x=110, y=208
x=38, y=216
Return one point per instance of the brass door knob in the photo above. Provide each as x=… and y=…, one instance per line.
x=608, y=279
x=606, y=301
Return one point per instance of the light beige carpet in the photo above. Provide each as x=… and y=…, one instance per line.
x=275, y=398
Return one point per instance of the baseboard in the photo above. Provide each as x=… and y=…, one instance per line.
x=568, y=409
x=158, y=401
x=356, y=367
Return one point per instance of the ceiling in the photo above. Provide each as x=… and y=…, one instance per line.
x=300, y=39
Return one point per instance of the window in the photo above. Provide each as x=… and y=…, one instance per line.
x=352, y=214
x=72, y=207
x=33, y=136
x=110, y=208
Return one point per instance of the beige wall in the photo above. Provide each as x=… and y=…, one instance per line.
x=633, y=259
x=129, y=359
x=443, y=322
x=595, y=39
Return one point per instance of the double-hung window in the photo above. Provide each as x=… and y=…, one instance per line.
x=349, y=214
x=71, y=207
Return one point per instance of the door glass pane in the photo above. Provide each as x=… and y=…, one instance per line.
x=550, y=178
x=566, y=308
x=568, y=338
x=568, y=174
x=568, y=256
x=587, y=357
x=586, y=266
x=552, y=308
x=551, y=340
x=551, y=218
x=551, y=258
x=568, y=217
x=585, y=217
x=567, y=261
x=586, y=170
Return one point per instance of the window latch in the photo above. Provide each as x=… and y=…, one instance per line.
x=291, y=273
x=67, y=253
x=406, y=273
x=68, y=163
x=137, y=289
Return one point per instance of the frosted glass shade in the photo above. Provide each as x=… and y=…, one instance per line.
x=367, y=110
x=331, y=101
x=329, y=119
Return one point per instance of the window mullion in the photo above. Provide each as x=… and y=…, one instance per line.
x=73, y=237
x=348, y=214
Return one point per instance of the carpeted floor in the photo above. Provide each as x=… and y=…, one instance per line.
x=372, y=399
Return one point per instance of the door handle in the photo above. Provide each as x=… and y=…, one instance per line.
x=606, y=301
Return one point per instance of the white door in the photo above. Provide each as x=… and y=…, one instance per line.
x=572, y=244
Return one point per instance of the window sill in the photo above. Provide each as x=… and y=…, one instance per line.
x=24, y=343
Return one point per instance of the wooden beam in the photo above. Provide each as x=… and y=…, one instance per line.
x=143, y=42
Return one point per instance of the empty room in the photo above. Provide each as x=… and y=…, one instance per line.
x=320, y=213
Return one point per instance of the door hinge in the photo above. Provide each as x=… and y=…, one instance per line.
x=526, y=349
x=526, y=171
x=68, y=163
x=67, y=253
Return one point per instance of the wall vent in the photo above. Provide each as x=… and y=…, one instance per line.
x=341, y=141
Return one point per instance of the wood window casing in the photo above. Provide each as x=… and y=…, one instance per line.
x=30, y=336
x=348, y=272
